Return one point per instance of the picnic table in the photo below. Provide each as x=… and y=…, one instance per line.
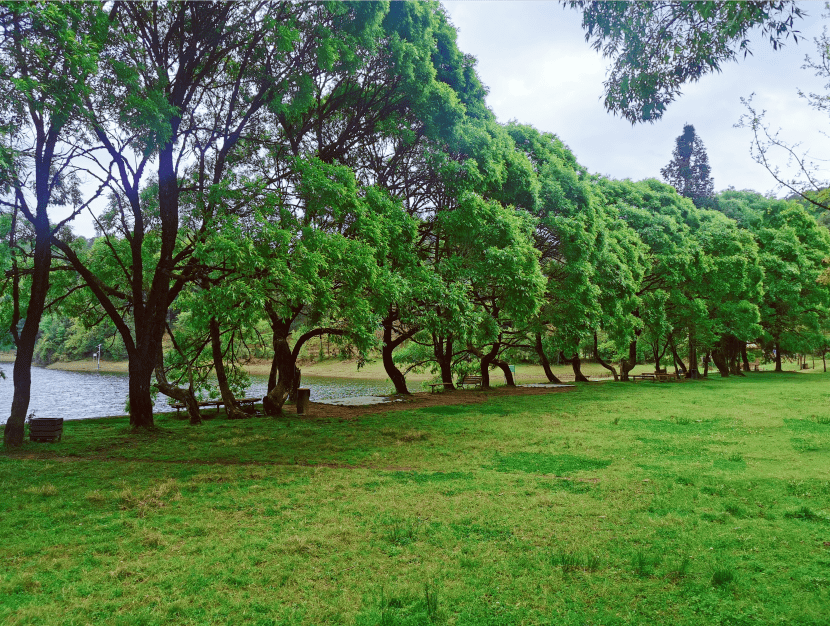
x=217, y=403
x=660, y=377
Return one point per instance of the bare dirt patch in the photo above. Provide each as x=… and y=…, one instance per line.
x=317, y=410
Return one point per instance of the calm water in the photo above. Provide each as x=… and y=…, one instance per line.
x=81, y=395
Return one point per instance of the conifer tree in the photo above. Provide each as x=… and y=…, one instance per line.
x=689, y=171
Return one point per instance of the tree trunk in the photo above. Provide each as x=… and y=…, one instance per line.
x=22, y=372
x=706, y=360
x=185, y=396
x=141, y=402
x=679, y=366
x=504, y=366
x=778, y=357
x=719, y=359
x=232, y=409
x=693, y=372
x=626, y=365
x=389, y=345
x=443, y=355
x=284, y=362
x=486, y=361
x=745, y=358
x=608, y=366
x=576, y=364
x=543, y=359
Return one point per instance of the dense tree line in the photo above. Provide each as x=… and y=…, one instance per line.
x=277, y=172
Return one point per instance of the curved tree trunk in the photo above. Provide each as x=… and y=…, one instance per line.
x=504, y=366
x=389, y=345
x=185, y=396
x=626, y=365
x=543, y=359
x=719, y=359
x=679, y=366
x=486, y=361
x=608, y=366
x=232, y=409
x=576, y=364
x=22, y=371
x=273, y=402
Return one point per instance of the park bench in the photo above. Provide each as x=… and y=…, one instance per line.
x=217, y=403
x=663, y=377
x=647, y=376
x=432, y=386
x=470, y=380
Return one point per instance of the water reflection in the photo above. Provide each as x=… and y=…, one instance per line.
x=81, y=395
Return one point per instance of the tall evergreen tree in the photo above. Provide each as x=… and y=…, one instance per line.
x=689, y=171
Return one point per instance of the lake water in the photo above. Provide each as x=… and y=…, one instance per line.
x=82, y=395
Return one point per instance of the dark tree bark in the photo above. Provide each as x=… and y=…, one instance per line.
x=25, y=341
x=284, y=364
x=443, y=356
x=543, y=359
x=576, y=364
x=693, y=372
x=389, y=346
x=719, y=359
x=777, y=357
x=679, y=366
x=608, y=366
x=627, y=364
x=490, y=359
x=185, y=396
x=706, y=360
x=504, y=366
x=233, y=410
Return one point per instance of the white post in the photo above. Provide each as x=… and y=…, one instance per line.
x=99, y=357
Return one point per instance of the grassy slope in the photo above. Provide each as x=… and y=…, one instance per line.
x=691, y=503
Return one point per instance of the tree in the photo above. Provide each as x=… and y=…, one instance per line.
x=657, y=47
x=48, y=54
x=688, y=171
x=185, y=91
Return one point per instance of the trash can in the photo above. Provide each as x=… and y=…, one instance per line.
x=303, y=397
x=45, y=428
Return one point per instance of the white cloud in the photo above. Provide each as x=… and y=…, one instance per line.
x=540, y=71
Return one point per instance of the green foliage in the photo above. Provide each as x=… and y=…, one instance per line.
x=657, y=47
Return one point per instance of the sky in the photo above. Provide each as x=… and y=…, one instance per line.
x=533, y=57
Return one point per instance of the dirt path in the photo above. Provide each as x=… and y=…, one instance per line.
x=420, y=400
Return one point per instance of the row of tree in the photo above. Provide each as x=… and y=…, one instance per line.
x=300, y=170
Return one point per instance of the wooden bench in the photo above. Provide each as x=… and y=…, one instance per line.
x=665, y=377
x=217, y=403
x=636, y=377
x=470, y=380
x=432, y=386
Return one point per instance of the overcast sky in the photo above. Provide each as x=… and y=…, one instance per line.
x=533, y=57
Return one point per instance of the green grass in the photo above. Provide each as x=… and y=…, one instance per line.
x=704, y=502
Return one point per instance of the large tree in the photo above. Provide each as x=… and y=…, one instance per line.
x=48, y=54
x=182, y=96
x=688, y=171
x=657, y=47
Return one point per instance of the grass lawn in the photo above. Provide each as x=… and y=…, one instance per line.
x=704, y=502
